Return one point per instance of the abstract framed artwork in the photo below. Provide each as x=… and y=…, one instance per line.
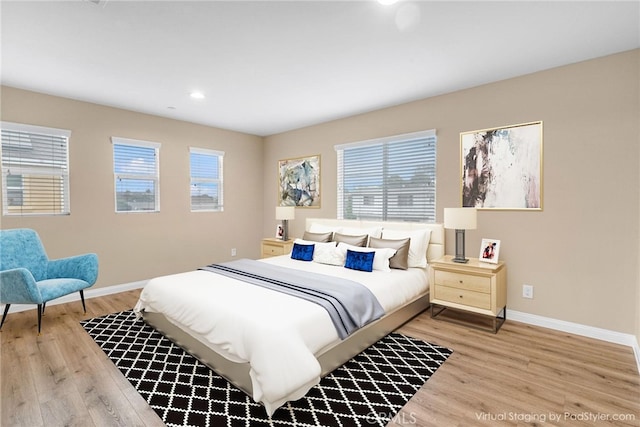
x=299, y=182
x=502, y=167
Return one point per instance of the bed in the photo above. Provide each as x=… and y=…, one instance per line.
x=274, y=346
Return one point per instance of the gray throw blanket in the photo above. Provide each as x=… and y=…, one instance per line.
x=349, y=304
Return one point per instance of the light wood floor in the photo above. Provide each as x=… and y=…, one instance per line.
x=524, y=375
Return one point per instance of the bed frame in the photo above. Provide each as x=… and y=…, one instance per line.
x=334, y=356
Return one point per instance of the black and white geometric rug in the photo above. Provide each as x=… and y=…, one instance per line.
x=367, y=391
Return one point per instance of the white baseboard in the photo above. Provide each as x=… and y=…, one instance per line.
x=531, y=319
x=90, y=293
x=579, y=329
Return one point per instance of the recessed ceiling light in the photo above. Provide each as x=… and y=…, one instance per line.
x=197, y=95
x=387, y=2
x=102, y=3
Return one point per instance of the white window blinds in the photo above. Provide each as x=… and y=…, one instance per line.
x=206, y=179
x=388, y=179
x=35, y=170
x=136, y=175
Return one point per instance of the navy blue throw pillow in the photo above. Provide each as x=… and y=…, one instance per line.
x=302, y=252
x=362, y=261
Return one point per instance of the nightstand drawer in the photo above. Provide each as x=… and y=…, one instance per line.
x=462, y=296
x=268, y=250
x=275, y=247
x=463, y=281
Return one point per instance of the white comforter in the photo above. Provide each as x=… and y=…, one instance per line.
x=276, y=333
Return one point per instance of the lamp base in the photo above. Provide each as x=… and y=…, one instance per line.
x=460, y=248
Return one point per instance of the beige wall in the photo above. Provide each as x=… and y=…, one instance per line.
x=581, y=252
x=139, y=246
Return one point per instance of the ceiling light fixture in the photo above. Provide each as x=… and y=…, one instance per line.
x=102, y=3
x=387, y=2
x=197, y=95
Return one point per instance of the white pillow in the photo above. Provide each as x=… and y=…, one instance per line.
x=328, y=253
x=371, y=231
x=380, y=259
x=417, y=247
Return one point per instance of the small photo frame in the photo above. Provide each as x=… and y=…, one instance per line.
x=279, y=232
x=489, y=250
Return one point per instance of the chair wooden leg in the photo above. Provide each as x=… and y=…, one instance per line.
x=4, y=315
x=82, y=298
x=44, y=305
x=40, y=310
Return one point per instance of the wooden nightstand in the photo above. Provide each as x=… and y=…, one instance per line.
x=274, y=247
x=476, y=287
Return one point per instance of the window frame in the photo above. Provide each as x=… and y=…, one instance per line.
x=389, y=203
x=219, y=155
x=155, y=177
x=61, y=170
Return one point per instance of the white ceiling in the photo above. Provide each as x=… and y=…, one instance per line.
x=266, y=67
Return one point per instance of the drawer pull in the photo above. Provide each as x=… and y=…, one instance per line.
x=460, y=296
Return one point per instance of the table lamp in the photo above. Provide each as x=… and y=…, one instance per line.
x=460, y=219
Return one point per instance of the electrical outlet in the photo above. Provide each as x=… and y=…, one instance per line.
x=233, y=252
x=527, y=291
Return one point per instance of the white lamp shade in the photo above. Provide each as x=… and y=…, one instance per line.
x=285, y=212
x=460, y=218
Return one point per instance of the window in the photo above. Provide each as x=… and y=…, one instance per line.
x=388, y=179
x=35, y=170
x=206, y=179
x=137, y=180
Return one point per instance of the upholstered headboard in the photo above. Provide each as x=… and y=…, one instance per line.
x=435, y=249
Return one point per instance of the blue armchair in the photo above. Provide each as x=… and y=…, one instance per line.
x=27, y=276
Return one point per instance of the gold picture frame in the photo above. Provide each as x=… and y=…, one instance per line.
x=299, y=182
x=501, y=167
